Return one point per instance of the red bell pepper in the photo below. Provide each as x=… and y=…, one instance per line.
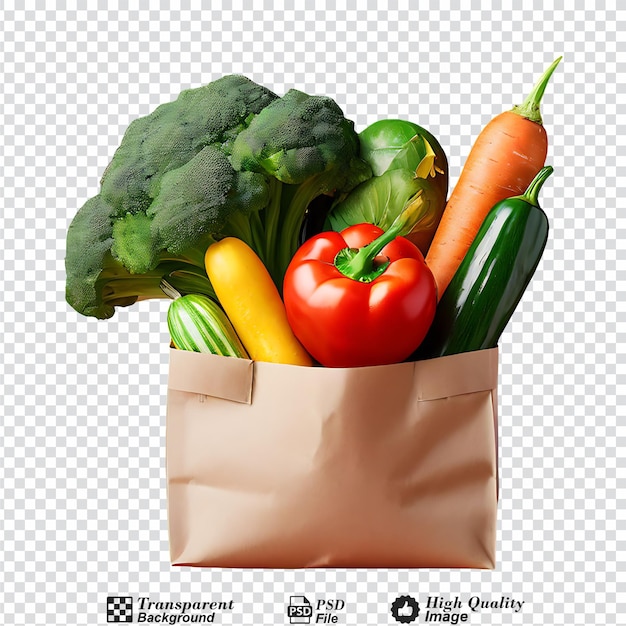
x=360, y=297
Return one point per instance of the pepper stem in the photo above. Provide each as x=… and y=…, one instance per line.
x=359, y=263
x=530, y=107
x=531, y=195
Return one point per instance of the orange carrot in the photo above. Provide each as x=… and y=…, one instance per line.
x=505, y=158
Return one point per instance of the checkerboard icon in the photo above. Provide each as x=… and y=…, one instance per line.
x=119, y=610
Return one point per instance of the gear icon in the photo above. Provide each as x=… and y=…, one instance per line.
x=405, y=609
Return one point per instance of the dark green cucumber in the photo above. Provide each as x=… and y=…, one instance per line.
x=198, y=324
x=492, y=278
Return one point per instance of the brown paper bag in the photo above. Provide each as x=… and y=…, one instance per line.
x=277, y=466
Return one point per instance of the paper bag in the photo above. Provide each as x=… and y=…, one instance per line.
x=278, y=466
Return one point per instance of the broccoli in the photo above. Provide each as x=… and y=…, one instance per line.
x=306, y=143
x=227, y=159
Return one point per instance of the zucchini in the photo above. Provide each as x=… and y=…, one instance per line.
x=492, y=278
x=198, y=324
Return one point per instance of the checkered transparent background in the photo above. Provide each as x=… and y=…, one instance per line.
x=83, y=402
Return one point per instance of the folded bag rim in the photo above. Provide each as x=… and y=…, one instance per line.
x=233, y=378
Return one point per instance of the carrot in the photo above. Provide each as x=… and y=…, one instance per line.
x=505, y=158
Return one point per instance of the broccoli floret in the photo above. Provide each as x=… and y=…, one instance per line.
x=176, y=132
x=89, y=238
x=97, y=281
x=200, y=196
x=296, y=137
x=229, y=158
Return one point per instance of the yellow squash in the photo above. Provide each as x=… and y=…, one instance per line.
x=249, y=297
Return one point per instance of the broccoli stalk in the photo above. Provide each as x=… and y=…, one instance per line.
x=229, y=158
x=326, y=183
x=122, y=289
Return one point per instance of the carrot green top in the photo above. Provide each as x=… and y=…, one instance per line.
x=530, y=107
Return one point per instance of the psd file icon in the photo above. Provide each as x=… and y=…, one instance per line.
x=299, y=610
x=119, y=610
